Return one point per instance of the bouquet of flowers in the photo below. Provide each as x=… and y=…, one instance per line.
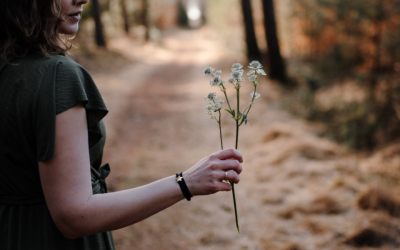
x=214, y=105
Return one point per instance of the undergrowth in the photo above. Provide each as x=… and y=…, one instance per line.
x=364, y=124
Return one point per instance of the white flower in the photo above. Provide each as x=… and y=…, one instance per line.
x=218, y=72
x=261, y=72
x=237, y=74
x=208, y=71
x=215, y=81
x=254, y=94
x=221, y=100
x=209, y=107
x=255, y=65
x=253, y=78
x=236, y=66
x=211, y=96
x=251, y=72
x=217, y=106
x=231, y=80
x=209, y=113
x=239, y=80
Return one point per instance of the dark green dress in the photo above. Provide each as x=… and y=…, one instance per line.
x=32, y=92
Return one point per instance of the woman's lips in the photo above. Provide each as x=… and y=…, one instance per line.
x=75, y=16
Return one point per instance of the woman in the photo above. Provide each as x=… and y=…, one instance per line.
x=52, y=191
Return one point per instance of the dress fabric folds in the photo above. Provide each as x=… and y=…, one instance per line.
x=33, y=90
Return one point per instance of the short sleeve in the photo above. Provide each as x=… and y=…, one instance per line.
x=65, y=85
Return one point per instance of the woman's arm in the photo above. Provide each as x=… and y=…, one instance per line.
x=66, y=183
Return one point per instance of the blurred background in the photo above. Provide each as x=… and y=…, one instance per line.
x=322, y=163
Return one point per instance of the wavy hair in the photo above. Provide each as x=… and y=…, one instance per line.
x=31, y=25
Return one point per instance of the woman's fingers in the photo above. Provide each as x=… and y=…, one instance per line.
x=230, y=153
x=223, y=186
x=231, y=176
x=230, y=165
x=216, y=184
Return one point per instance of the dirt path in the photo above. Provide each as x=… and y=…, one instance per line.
x=298, y=191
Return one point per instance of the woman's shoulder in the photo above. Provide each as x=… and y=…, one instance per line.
x=37, y=66
x=59, y=70
x=51, y=60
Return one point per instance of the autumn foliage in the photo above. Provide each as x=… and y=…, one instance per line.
x=352, y=43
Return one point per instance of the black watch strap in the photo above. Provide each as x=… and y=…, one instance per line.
x=182, y=185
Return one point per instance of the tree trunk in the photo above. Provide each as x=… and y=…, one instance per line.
x=125, y=16
x=183, y=20
x=144, y=19
x=376, y=41
x=253, y=53
x=99, y=35
x=276, y=67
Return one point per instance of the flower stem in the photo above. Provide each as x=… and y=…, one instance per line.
x=220, y=130
x=237, y=119
x=226, y=97
x=233, y=187
x=249, y=107
x=252, y=100
x=236, y=147
x=234, y=203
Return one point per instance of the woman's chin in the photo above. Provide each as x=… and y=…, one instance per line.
x=68, y=29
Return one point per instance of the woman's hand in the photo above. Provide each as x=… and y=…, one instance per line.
x=206, y=176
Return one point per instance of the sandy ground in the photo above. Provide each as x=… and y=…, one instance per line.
x=297, y=191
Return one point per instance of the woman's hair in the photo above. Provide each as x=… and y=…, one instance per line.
x=31, y=25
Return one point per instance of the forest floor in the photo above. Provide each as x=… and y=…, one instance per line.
x=298, y=191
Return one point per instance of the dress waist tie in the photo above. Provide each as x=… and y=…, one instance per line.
x=99, y=185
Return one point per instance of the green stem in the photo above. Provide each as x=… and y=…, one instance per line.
x=226, y=97
x=236, y=147
x=252, y=100
x=251, y=104
x=234, y=203
x=220, y=130
x=233, y=188
x=245, y=110
x=237, y=119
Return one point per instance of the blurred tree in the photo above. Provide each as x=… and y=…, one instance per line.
x=183, y=19
x=145, y=20
x=276, y=66
x=203, y=8
x=253, y=52
x=125, y=16
x=99, y=35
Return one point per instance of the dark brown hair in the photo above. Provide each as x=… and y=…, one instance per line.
x=31, y=25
